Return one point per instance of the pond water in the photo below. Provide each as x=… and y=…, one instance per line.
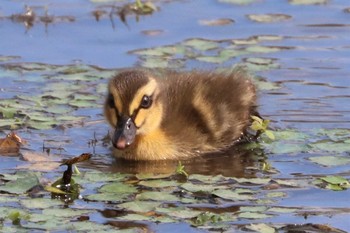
x=54, y=67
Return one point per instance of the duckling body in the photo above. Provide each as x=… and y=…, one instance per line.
x=170, y=115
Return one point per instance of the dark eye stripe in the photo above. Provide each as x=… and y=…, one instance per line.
x=144, y=104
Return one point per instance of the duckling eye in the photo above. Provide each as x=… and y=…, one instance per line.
x=146, y=101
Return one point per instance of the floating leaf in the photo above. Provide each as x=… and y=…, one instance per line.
x=261, y=227
x=199, y=188
x=308, y=2
x=118, y=188
x=232, y=195
x=110, y=197
x=253, y=180
x=178, y=212
x=201, y=44
x=65, y=212
x=335, y=183
x=216, y=22
x=331, y=146
x=254, y=215
x=140, y=206
x=151, y=176
x=156, y=196
x=206, y=178
x=21, y=184
x=40, y=203
x=269, y=18
x=330, y=160
x=238, y=2
x=210, y=218
x=158, y=183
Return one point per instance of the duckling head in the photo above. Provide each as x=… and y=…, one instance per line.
x=133, y=106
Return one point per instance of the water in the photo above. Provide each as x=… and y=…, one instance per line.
x=313, y=75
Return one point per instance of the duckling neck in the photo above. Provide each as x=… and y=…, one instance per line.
x=153, y=146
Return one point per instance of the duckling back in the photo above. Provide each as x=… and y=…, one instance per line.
x=208, y=111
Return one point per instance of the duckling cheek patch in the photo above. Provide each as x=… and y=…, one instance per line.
x=140, y=118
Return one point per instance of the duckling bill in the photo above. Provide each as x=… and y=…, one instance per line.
x=160, y=115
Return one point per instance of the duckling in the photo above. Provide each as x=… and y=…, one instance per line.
x=168, y=115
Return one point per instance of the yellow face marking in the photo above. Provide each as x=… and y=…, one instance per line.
x=148, y=89
x=149, y=119
x=117, y=99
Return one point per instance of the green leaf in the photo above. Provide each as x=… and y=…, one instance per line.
x=40, y=203
x=151, y=176
x=65, y=212
x=335, y=180
x=270, y=134
x=158, y=183
x=258, y=181
x=198, y=187
x=118, y=188
x=254, y=215
x=157, y=196
x=232, y=195
x=178, y=212
x=207, y=178
x=140, y=206
x=21, y=184
x=200, y=44
x=330, y=160
x=261, y=227
x=110, y=197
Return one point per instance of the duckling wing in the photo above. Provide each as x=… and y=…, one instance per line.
x=208, y=110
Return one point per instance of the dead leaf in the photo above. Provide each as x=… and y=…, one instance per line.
x=10, y=145
x=78, y=159
x=216, y=22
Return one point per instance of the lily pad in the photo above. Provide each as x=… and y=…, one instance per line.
x=232, y=195
x=158, y=183
x=216, y=22
x=107, y=197
x=254, y=215
x=199, y=188
x=338, y=147
x=178, y=212
x=118, y=188
x=201, y=44
x=40, y=203
x=330, y=160
x=269, y=18
x=308, y=2
x=261, y=227
x=67, y=213
x=140, y=206
x=157, y=196
x=21, y=184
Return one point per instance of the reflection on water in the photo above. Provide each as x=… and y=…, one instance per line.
x=232, y=164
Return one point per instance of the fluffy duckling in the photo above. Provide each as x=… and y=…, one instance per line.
x=162, y=115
